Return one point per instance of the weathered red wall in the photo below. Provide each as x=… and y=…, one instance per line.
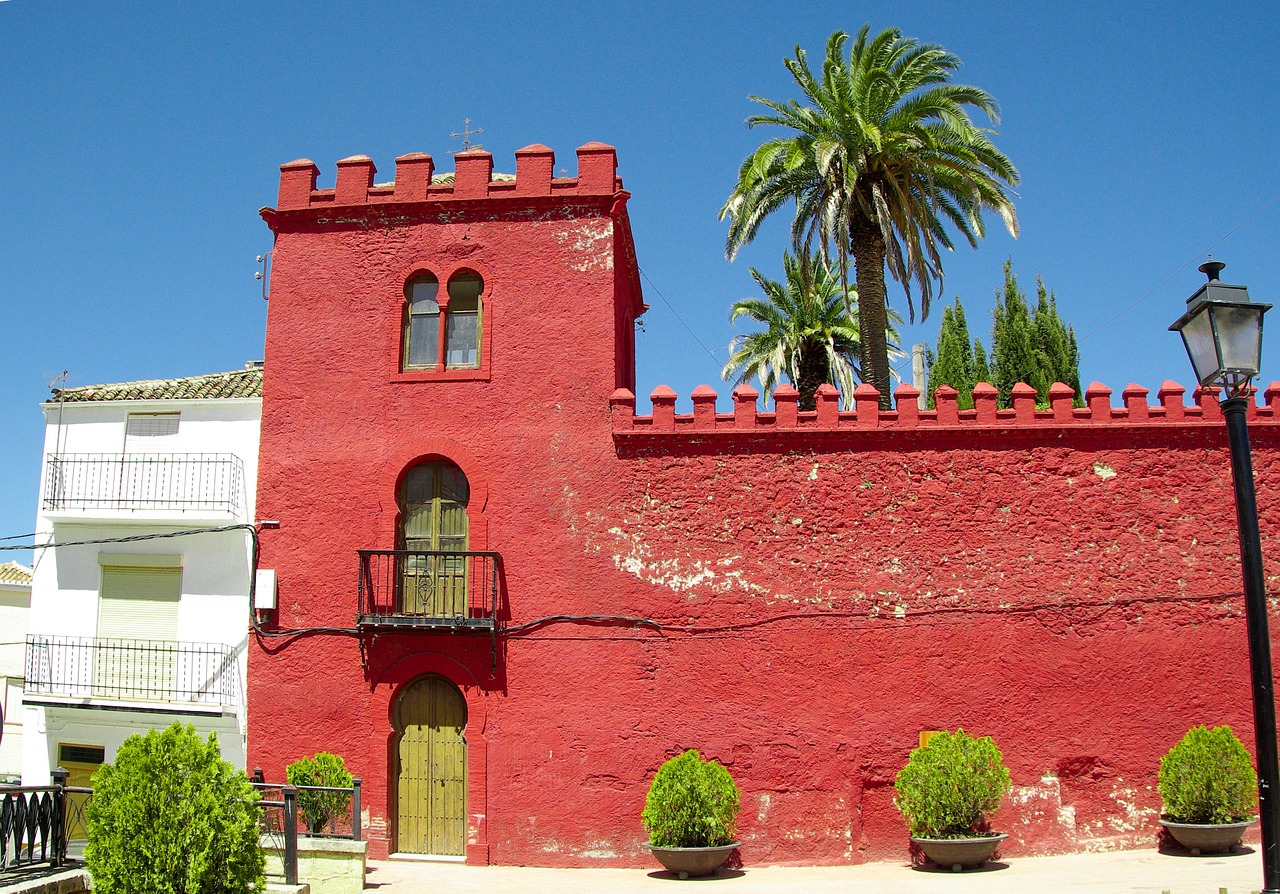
x=818, y=588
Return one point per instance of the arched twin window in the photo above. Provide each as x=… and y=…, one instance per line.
x=443, y=332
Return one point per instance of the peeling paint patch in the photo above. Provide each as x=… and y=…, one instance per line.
x=677, y=574
x=1104, y=471
x=594, y=245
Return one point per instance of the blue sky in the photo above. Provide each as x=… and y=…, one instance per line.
x=138, y=141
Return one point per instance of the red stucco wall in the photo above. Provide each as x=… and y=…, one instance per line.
x=817, y=588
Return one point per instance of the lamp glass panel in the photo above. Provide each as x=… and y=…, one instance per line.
x=1197, y=335
x=1239, y=330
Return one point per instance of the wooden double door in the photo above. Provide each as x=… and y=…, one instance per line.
x=431, y=769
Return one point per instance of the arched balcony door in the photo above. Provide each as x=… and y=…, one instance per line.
x=434, y=531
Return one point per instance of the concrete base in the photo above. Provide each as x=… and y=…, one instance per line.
x=71, y=881
x=325, y=865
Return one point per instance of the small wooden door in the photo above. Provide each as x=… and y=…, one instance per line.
x=80, y=762
x=433, y=516
x=431, y=769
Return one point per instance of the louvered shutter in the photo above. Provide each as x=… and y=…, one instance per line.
x=139, y=603
x=138, y=632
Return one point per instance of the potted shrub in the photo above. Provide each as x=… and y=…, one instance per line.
x=319, y=808
x=1209, y=790
x=690, y=812
x=946, y=792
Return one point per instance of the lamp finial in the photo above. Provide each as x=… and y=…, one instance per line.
x=1211, y=269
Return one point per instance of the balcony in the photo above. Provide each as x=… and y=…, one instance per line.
x=161, y=675
x=432, y=589
x=112, y=484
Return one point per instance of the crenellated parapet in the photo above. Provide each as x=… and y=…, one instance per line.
x=786, y=417
x=416, y=179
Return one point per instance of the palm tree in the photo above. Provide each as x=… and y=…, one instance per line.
x=880, y=159
x=810, y=335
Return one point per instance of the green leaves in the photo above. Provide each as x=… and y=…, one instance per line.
x=949, y=786
x=326, y=770
x=1031, y=345
x=170, y=816
x=691, y=803
x=1208, y=778
x=810, y=335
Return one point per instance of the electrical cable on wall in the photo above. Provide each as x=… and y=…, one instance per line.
x=528, y=627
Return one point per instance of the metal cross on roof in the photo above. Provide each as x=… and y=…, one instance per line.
x=467, y=133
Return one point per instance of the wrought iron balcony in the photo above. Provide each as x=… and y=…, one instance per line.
x=429, y=588
x=186, y=482
x=132, y=670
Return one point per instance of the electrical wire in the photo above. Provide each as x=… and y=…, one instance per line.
x=659, y=627
x=1175, y=273
x=676, y=314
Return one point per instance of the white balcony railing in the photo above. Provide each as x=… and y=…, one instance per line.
x=133, y=670
x=185, y=482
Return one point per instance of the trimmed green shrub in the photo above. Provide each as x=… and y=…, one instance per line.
x=1208, y=778
x=321, y=769
x=950, y=785
x=691, y=803
x=170, y=816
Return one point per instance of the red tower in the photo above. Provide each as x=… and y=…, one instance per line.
x=433, y=342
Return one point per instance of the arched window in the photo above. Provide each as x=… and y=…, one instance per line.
x=422, y=323
x=434, y=535
x=442, y=332
x=462, y=318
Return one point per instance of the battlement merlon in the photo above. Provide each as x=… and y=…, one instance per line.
x=867, y=416
x=415, y=180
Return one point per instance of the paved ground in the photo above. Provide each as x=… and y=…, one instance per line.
x=1119, y=872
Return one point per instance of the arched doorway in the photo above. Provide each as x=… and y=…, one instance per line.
x=434, y=533
x=430, y=774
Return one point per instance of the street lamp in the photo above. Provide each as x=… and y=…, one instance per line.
x=1222, y=331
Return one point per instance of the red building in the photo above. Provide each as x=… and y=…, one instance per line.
x=517, y=598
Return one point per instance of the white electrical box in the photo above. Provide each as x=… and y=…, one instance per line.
x=264, y=593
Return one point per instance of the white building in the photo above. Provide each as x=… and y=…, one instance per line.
x=127, y=635
x=15, y=604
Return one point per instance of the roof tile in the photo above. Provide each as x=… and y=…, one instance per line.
x=237, y=383
x=13, y=573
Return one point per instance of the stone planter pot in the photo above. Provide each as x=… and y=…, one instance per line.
x=1207, y=839
x=691, y=862
x=960, y=853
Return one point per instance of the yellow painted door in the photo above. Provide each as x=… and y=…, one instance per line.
x=433, y=515
x=80, y=762
x=431, y=769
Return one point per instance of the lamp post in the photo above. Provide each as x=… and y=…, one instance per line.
x=1222, y=332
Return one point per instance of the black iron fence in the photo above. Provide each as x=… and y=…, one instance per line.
x=33, y=824
x=133, y=670
x=181, y=481
x=439, y=588
x=284, y=815
x=278, y=828
x=341, y=810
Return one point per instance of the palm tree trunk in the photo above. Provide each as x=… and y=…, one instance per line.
x=867, y=245
x=814, y=370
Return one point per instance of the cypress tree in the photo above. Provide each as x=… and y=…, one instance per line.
x=1013, y=342
x=981, y=369
x=954, y=362
x=1032, y=345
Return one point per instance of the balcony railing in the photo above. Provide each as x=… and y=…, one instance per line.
x=133, y=670
x=188, y=482
x=429, y=588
